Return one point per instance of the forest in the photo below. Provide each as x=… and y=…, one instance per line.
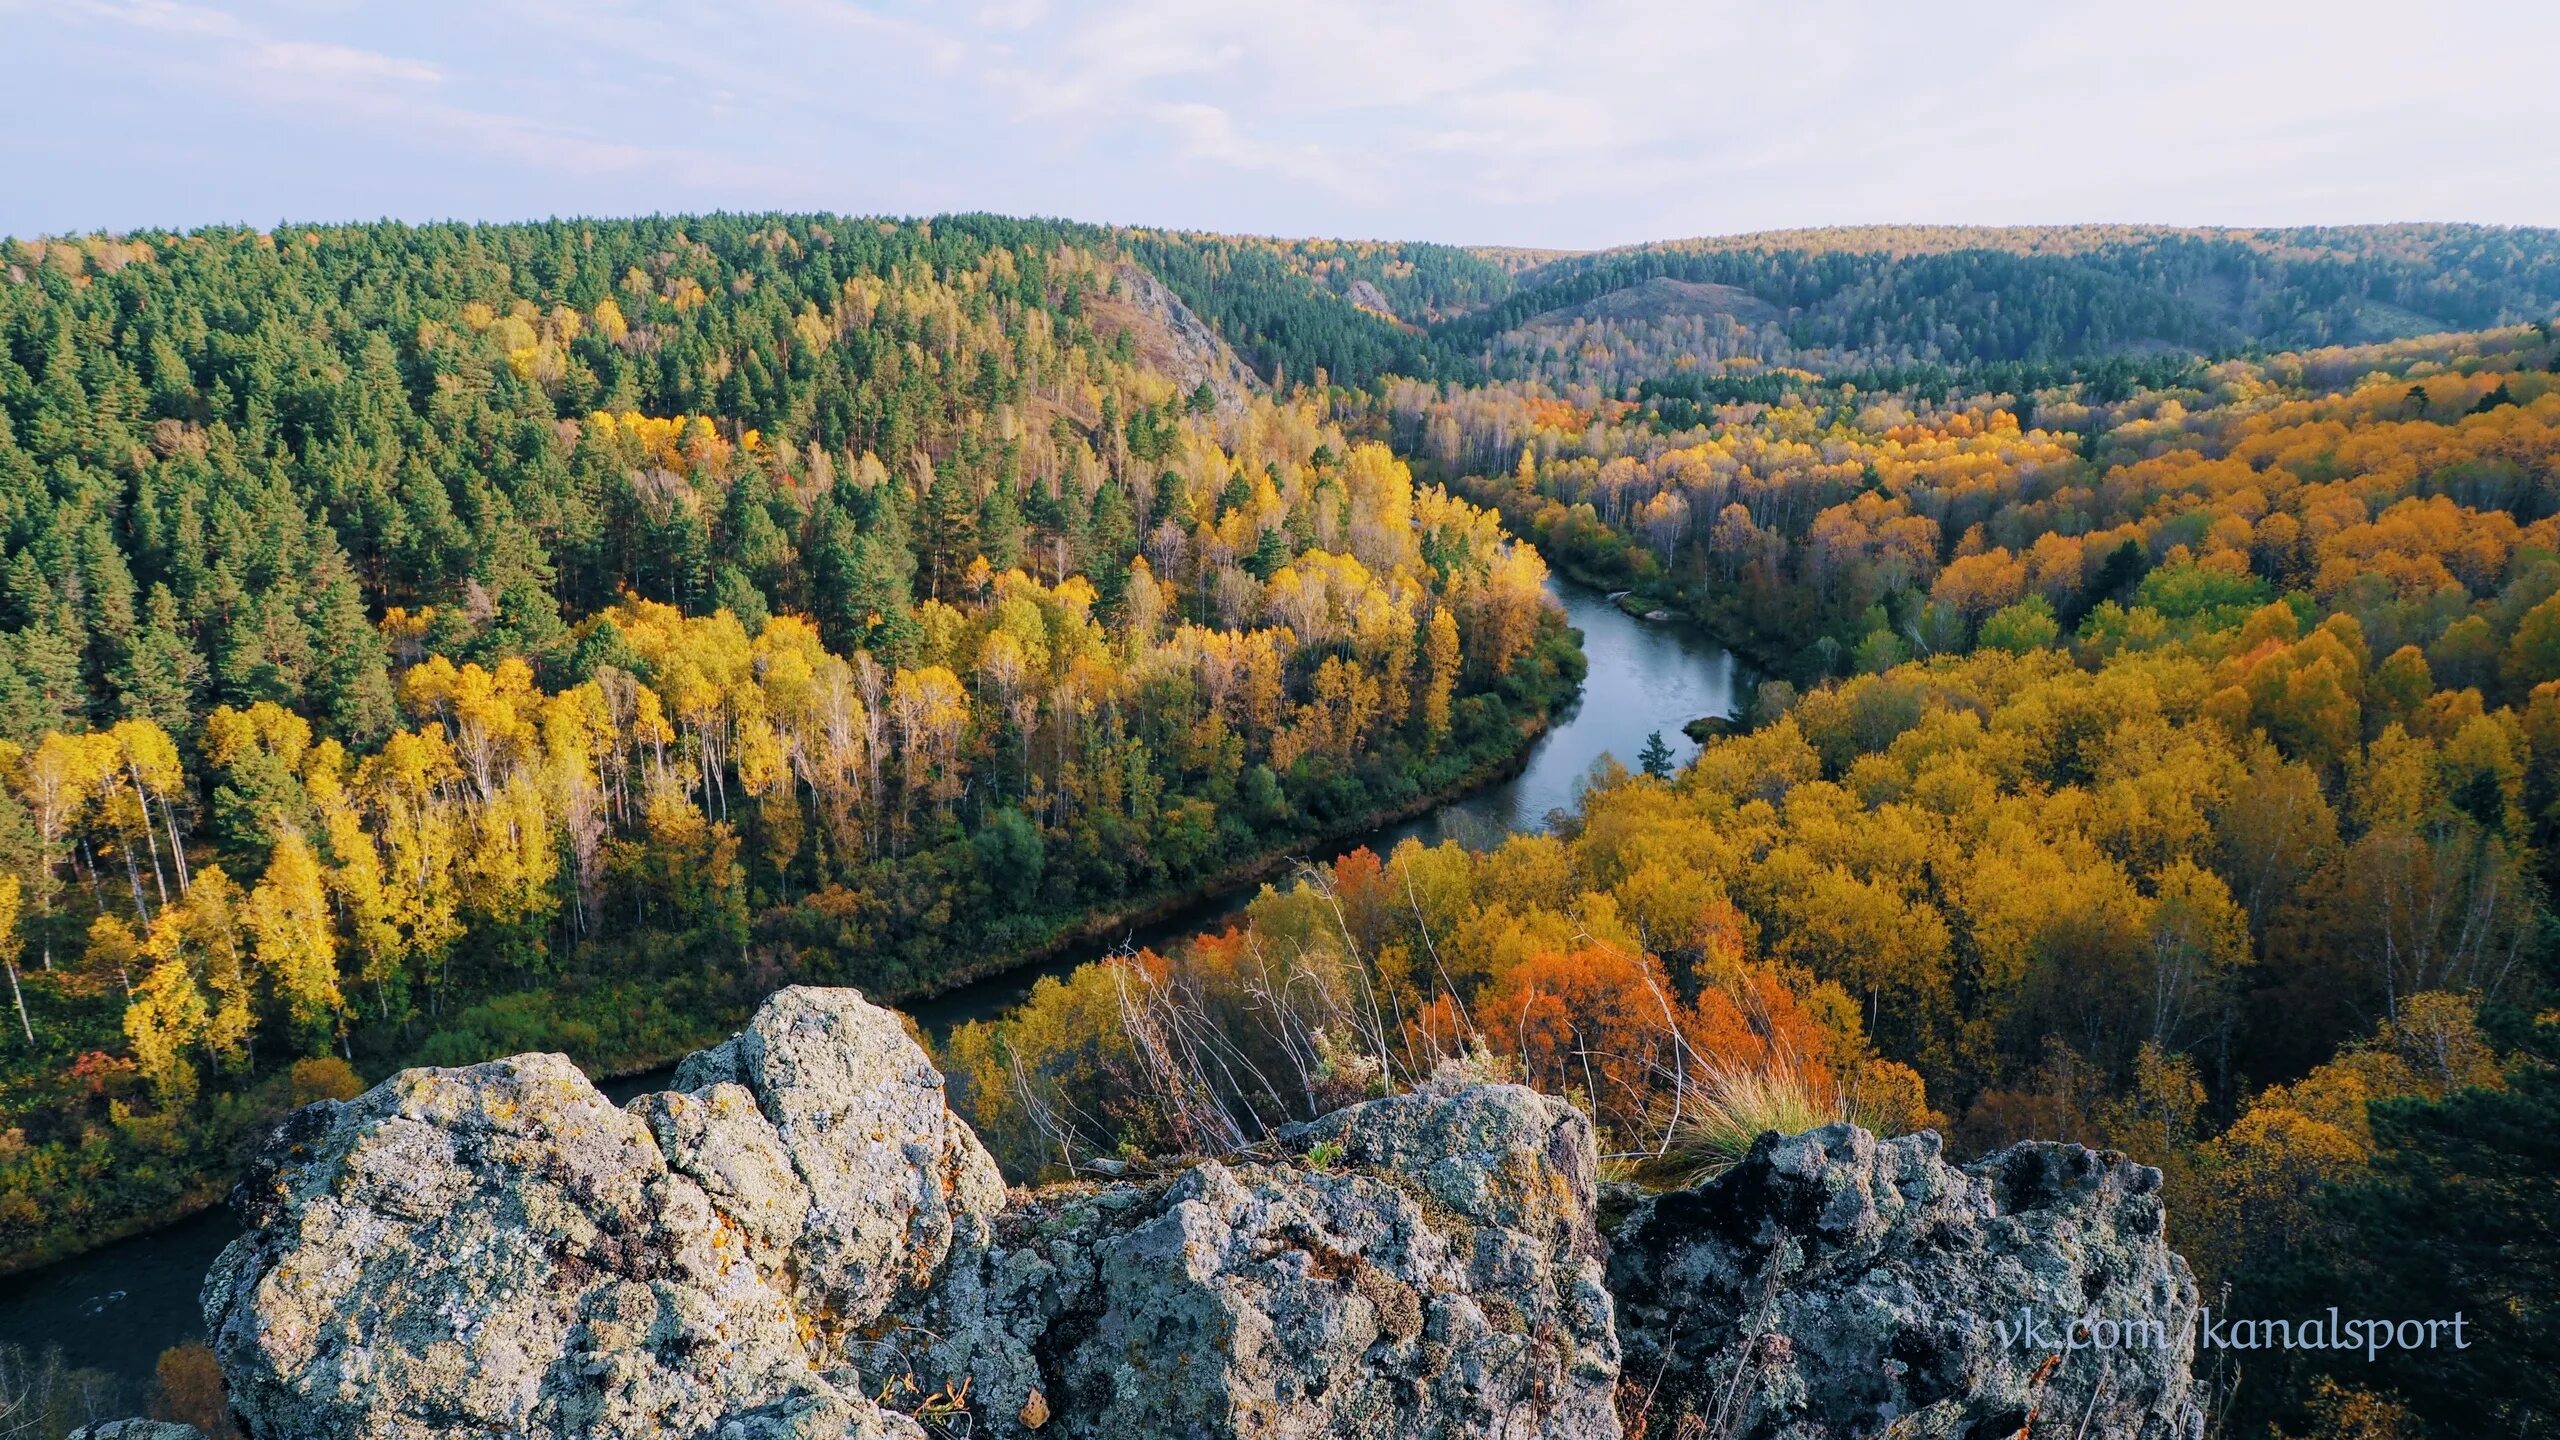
x=2177, y=771
x=419, y=644
x=423, y=645
x=1846, y=300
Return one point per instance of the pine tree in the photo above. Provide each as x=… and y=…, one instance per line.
x=1110, y=532
x=732, y=591
x=2458, y=1214
x=528, y=622
x=603, y=646
x=41, y=689
x=162, y=679
x=1000, y=527
x=107, y=598
x=1235, y=495
x=950, y=531
x=1655, y=758
x=351, y=672
x=1270, y=552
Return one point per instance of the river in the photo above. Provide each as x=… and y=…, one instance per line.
x=116, y=1308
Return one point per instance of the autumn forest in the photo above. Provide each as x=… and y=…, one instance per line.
x=420, y=644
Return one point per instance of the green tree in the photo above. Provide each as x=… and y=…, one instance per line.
x=2027, y=625
x=2459, y=1213
x=1655, y=758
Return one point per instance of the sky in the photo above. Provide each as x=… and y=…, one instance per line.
x=1516, y=122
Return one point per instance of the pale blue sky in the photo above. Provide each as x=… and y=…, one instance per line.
x=1491, y=121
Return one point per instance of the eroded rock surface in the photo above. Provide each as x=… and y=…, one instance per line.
x=822, y=1131
x=801, y=1223
x=1833, y=1284
x=1422, y=1266
x=499, y=1250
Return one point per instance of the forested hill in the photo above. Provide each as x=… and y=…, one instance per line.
x=1846, y=298
x=1886, y=296
x=439, y=642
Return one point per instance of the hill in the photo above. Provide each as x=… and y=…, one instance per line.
x=1959, y=296
x=1840, y=299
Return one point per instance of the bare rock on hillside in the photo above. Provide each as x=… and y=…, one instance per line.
x=1171, y=338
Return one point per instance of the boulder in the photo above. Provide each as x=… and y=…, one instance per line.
x=137, y=1430
x=497, y=1249
x=1834, y=1284
x=823, y=1132
x=1418, y=1267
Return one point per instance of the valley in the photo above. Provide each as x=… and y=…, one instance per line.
x=421, y=645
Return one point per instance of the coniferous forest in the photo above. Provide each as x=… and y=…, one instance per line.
x=420, y=644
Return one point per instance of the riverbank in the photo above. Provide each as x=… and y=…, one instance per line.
x=1237, y=878
x=115, y=1306
x=682, y=1013
x=1631, y=572
x=1680, y=607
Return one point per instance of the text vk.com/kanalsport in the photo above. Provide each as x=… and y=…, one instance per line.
x=2032, y=1329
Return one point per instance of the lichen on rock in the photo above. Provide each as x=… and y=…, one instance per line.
x=1440, y=1278
x=801, y=1224
x=1835, y=1284
x=823, y=1131
x=497, y=1249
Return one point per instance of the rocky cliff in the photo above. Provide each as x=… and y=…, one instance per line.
x=800, y=1240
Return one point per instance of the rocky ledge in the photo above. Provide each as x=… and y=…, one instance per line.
x=800, y=1240
x=1834, y=1284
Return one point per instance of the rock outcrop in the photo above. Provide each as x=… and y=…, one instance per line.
x=1170, y=336
x=499, y=1250
x=1423, y=1266
x=801, y=1225
x=137, y=1430
x=822, y=1132
x=1834, y=1284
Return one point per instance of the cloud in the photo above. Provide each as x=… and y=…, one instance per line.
x=335, y=83
x=1208, y=133
x=339, y=64
x=166, y=17
x=1555, y=122
x=1012, y=14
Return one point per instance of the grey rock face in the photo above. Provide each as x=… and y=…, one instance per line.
x=1833, y=1284
x=137, y=1430
x=499, y=1250
x=1196, y=352
x=822, y=1131
x=1439, y=1276
x=802, y=1224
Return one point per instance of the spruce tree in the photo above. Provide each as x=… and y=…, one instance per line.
x=351, y=669
x=162, y=679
